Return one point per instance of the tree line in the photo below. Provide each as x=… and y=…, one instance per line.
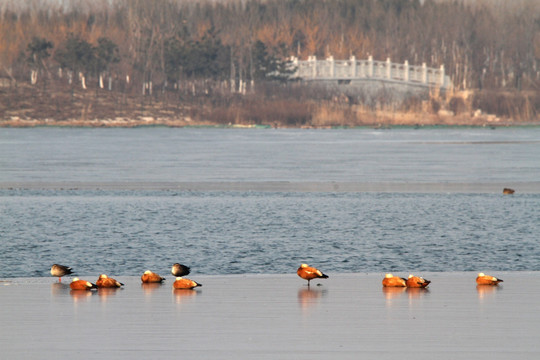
x=482, y=44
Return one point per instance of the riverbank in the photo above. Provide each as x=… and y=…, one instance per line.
x=62, y=106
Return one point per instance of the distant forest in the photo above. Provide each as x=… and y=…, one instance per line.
x=483, y=44
x=162, y=44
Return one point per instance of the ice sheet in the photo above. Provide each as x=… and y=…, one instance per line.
x=349, y=316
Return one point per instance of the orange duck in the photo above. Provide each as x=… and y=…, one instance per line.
x=77, y=284
x=151, y=277
x=483, y=279
x=417, y=282
x=308, y=273
x=106, y=282
x=182, y=283
x=395, y=281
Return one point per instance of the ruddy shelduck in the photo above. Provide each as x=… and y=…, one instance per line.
x=417, y=282
x=179, y=270
x=78, y=284
x=181, y=283
x=508, y=191
x=483, y=279
x=308, y=273
x=151, y=277
x=107, y=282
x=60, y=270
x=395, y=281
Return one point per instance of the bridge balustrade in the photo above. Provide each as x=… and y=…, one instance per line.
x=313, y=69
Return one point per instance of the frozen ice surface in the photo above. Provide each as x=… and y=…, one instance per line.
x=348, y=316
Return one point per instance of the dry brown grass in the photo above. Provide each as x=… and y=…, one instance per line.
x=25, y=105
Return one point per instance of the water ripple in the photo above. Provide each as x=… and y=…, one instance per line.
x=125, y=233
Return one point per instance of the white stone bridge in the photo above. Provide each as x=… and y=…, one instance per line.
x=355, y=71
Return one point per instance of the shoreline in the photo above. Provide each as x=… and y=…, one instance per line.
x=172, y=123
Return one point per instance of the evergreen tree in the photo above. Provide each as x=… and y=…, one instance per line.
x=37, y=51
x=106, y=54
x=269, y=67
x=76, y=55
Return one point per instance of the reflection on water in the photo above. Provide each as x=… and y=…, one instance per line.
x=149, y=288
x=416, y=293
x=308, y=297
x=58, y=288
x=484, y=291
x=81, y=295
x=391, y=293
x=104, y=293
x=181, y=295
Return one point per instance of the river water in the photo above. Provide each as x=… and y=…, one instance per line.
x=238, y=201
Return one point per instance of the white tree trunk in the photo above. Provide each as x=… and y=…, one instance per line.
x=83, y=80
x=33, y=77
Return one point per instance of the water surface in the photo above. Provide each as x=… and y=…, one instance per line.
x=263, y=201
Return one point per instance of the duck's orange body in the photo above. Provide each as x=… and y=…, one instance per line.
x=483, y=279
x=395, y=281
x=182, y=283
x=106, y=282
x=77, y=284
x=416, y=282
x=308, y=273
x=151, y=277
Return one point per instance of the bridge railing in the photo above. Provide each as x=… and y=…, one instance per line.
x=354, y=69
